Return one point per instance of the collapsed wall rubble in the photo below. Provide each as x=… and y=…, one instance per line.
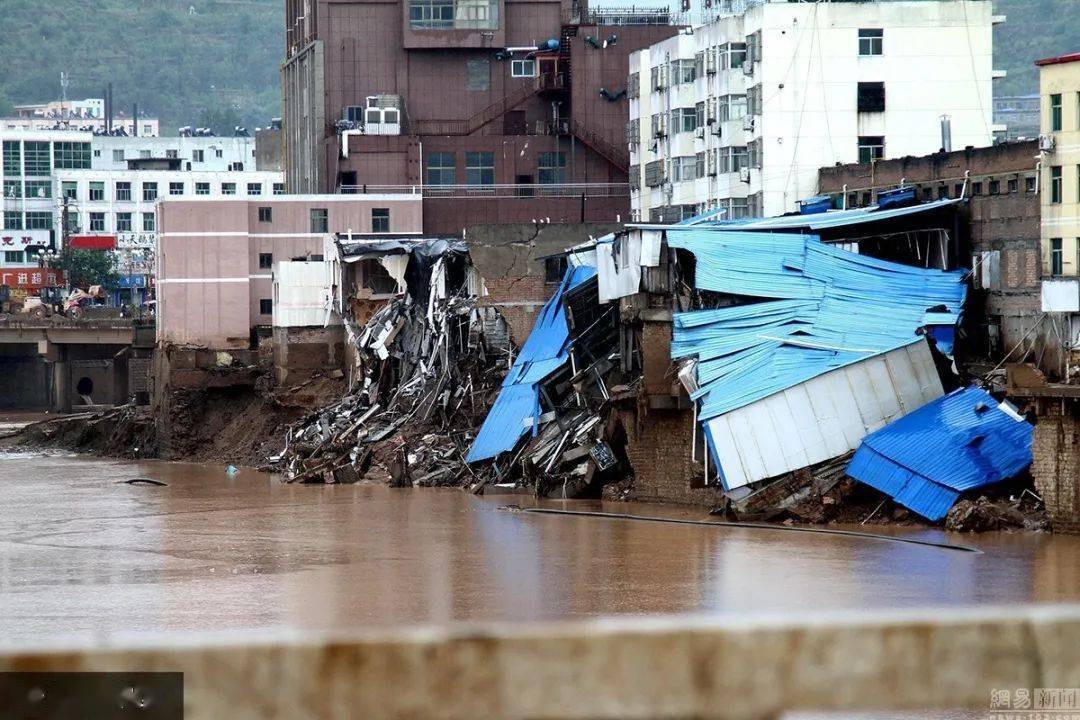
x=426, y=365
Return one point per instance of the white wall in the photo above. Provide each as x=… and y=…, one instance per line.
x=218, y=153
x=936, y=60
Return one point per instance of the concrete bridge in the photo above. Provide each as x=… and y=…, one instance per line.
x=59, y=363
x=1005, y=662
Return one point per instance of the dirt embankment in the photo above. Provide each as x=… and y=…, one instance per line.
x=239, y=425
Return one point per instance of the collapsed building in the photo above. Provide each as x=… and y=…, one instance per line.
x=742, y=363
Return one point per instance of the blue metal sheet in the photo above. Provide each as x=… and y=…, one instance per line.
x=959, y=442
x=843, y=218
x=544, y=352
x=834, y=308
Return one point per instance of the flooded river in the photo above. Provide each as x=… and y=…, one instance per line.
x=86, y=556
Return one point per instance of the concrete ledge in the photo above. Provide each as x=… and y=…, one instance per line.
x=620, y=668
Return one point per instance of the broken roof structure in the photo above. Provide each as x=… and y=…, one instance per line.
x=959, y=442
x=517, y=409
x=808, y=311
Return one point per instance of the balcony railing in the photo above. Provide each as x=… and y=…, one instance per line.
x=526, y=190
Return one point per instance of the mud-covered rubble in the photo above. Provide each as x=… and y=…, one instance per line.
x=427, y=376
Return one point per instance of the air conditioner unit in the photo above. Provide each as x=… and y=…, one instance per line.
x=748, y=123
x=744, y=174
x=662, y=77
x=710, y=61
x=1046, y=143
x=748, y=67
x=710, y=111
x=700, y=133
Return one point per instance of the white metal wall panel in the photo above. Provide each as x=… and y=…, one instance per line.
x=822, y=418
x=300, y=294
x=1061, y=296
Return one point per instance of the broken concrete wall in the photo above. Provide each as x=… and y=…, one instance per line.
x=508, y=258
x=300, y=352
x=1056, y=464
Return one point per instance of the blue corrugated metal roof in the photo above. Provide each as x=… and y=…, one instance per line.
x=832, y=308
x=959, y=442
x=843, y=218
x=543, y=353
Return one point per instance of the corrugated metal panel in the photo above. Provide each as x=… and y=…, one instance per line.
x=960, y=442
x=543, y=353
x=843, y=218
x=821, y=418
x=301, y=296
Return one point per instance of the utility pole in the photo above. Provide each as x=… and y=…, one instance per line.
x=65, y=239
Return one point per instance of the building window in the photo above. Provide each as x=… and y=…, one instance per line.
x=172, y=154
x=976, y=188
x=145, y=155
x=684, y=119
x=266, y=261
x=525, y=67
x=995, y=187
x=69, y=189
x=731, y=107
x=736, y=55
x=734, y=159
x=73, y=221
x=12, y=157
x=218, y=153
x=440, y=169
x=14, y=256
x=266, y=214
x=149, y=222
x=123, y=222
x=480, y=168
x=551, y=168
x=1029, y=184
x=123, y=192
x=97, y=222
x=1014, y=185
x=1056, y=259
x=1055, y=185
x=13, y=220
x=871, y=147
x=38, y=189
x=13, y=189
x=37, y=161
x=1055, y=112
x=871, y=97
x=118, y=156
x=380, y=220
x=176, y=188
x=431, y=14
x=39, y=221
x=266, y=306
x=554, y=269
x=228, y=188
x=320, y=222
x=279, y=188
x=149, y=191
x=202, y=188
x=254, y=188
x=683, y=168
x=683, y=71
x=871, y=41
x=71, y=155
x=478, y=74
x=943, y=192
x=198, y=156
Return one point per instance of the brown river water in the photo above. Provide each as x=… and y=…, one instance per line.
x=85, y=556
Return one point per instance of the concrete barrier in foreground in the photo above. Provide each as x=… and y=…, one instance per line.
x=616, y=668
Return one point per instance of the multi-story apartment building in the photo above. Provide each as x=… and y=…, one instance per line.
x=1059, y=89
x=88, y=115
x=740, y=113
x=500, y=110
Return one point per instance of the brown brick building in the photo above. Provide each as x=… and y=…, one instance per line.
x=503, y=110
x=999, y=227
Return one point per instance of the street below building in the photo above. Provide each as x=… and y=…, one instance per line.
x=88, y=556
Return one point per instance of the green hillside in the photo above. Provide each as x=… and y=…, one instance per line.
x=190, y=62
x=215, y=62
x=1035, y=29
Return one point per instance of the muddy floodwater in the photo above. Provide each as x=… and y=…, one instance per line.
x=85, y=556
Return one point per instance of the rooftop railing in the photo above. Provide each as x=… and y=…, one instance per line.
x=525, y=190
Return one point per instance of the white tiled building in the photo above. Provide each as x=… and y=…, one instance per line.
x=741, y=112
x=112, y=185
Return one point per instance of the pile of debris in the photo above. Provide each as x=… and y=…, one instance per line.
x=426, y=377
